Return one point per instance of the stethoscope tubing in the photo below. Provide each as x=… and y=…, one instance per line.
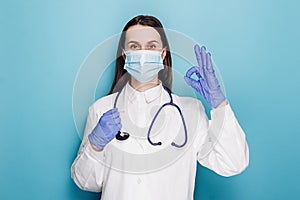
x=123, y=135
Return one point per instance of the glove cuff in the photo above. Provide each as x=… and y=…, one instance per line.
x=96, y=141
x=217, y=100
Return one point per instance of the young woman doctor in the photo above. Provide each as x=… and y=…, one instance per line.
x=136, y=97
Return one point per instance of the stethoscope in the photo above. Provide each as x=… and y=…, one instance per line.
x=124, y=135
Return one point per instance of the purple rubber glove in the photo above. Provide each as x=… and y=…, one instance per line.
x=107, y=128
x=207, y=84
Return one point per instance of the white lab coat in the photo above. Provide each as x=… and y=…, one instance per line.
x=134, y=169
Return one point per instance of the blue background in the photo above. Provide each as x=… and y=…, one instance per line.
x=43, y=43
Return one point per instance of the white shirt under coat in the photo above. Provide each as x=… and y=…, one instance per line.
x=134, y=169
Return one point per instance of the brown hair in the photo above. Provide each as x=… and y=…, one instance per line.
x=121, y=76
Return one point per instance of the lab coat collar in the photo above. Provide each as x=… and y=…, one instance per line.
x=149, y=95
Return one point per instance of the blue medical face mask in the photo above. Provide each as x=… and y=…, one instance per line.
x=143, y=65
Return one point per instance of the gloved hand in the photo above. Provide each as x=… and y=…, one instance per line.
x=207, y=84
x=107, y=128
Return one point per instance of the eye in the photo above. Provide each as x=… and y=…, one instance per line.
x=152, y=46
x=133, y=46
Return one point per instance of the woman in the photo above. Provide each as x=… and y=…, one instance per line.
x=167, y=134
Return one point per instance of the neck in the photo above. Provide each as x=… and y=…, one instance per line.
x=141, y=87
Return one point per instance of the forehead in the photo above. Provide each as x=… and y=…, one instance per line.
x=142, y=34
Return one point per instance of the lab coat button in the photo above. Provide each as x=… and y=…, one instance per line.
x=139, y=181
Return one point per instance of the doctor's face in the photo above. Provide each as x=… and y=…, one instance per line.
x=139, y=37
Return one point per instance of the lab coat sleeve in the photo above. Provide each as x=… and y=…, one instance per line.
x=224, y=148
x=87, y=169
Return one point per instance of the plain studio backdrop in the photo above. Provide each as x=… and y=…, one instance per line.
x=254, y=43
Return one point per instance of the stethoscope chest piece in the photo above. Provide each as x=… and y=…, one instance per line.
x=122, y=136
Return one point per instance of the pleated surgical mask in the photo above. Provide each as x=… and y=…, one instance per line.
x=143, y=65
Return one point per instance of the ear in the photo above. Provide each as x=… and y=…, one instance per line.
x=164, y=53
x=123, y=55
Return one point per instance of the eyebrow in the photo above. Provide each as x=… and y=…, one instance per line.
x=136, y=42
x=153, y=41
